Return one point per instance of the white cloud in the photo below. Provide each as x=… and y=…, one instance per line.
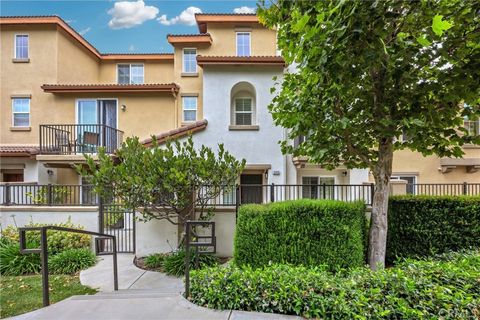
x=84, y=31
x=187, y=17
x=131, y=48
x=127, y=14
x=244, y=10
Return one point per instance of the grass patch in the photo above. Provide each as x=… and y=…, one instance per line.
x=22, y=294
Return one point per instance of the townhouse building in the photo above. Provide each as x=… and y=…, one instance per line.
x=60, y=98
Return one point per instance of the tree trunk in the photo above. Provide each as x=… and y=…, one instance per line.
x=379, y=222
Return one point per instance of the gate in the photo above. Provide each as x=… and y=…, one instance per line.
x=119, y=222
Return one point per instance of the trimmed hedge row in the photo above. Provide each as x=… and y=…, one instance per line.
x=420, y=226
x=301, y=232
x=447, y=288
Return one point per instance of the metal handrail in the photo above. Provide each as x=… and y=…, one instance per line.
x=43, y=251
x=53, y=125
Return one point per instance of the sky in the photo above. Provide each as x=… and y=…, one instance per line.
x=133, y=26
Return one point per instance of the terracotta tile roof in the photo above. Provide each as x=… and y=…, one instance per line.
x=72, y=88
x=190, y=38
x=232, y=60
x=54, y=19
x=177, y=133
x=204, y=18
x=10, y=150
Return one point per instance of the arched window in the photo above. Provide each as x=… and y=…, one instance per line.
x=243, y=105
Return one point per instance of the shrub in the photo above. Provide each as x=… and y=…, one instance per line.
x=174, y=264
x=155, y=260
x=57, y=240
x=71, y=261
x=444, y=289
x=13, y=263
x=420, y=226
x=301, y=232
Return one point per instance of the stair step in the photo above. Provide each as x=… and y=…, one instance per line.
x=124, y=296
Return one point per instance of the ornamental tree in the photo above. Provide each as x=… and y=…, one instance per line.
x=369, y=72
x=169, y=182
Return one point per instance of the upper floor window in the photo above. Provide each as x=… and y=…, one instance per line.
x=130, y=74
x=189, y=108
x=190, y=60
x=472, y=127
x=21, y=46
x=21, y=112
x=243, y=110
x=243, y=44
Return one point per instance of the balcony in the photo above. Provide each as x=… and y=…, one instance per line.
x=77, y=139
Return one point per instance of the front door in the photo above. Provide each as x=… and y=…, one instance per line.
x=251, y=188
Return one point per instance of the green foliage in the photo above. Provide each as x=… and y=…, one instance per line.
x=301, y=232
x=155, y=261
x=57, y=240
x=369, y=72
x=13, y=263
x=426, y=225
x=163, y=180
x=446, y=288
x=174, y=264
x=71, y=261
x=59, y=195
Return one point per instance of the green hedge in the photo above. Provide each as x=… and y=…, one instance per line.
x=425, y=225
x=447, y=288
x=301, y=232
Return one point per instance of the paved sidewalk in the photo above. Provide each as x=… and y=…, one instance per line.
x=143, y=295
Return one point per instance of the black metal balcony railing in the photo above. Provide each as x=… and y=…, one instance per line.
x=227, y=196
x=70, y=139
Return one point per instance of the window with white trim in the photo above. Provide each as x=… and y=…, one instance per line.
x=411, y=182
x=130, y=74
x=21, y=46
x=190, y=60
x=243, y=44
x=189, y=104
x=318, y=187
x=243, y=111
x=21, y=112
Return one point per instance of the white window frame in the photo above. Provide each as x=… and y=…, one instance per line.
x=335, y=181
x=183, y=108
x=252, y=111
x=398, y=176
x=130, y=72
x=249, y=43
x=23, y=112
x=183, y=61
x=15, y=46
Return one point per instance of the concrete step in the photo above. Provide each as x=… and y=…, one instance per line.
x=137, y=292
x=132, y=296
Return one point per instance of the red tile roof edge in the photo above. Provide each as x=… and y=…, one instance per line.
x=177, y=133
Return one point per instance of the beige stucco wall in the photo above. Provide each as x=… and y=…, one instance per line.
x=427, y=168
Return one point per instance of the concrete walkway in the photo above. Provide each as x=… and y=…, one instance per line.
x=142, y=295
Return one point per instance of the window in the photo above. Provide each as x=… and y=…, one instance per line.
x=411, y=181
x=130, y=74
x=189, y=108
x=243, y=111
x=21, y=46
x=243, y=44
x=190, y=60
x=472, y=127
x=21, y=112
x=318, y=187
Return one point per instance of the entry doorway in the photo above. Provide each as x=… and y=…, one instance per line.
x=251, y=188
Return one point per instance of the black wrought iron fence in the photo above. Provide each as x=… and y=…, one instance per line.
x=227, y=196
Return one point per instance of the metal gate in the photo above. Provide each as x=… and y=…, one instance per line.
x=119, y=222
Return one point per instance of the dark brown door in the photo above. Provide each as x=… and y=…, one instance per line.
x=251, y=188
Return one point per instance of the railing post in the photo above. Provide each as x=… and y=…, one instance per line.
x=187, y=260
x=100, y=214
x=324, y=191
x=272, y=192
x=104, y=138
x=7, y=196
x=465, y=188
x=44, y=260
x=237, y=200
x=49, y=194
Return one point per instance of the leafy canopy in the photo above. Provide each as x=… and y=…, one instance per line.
x=167, y=182
x=369, y=71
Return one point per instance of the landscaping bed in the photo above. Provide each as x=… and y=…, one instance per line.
x=447, y=287
x=22, y=294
